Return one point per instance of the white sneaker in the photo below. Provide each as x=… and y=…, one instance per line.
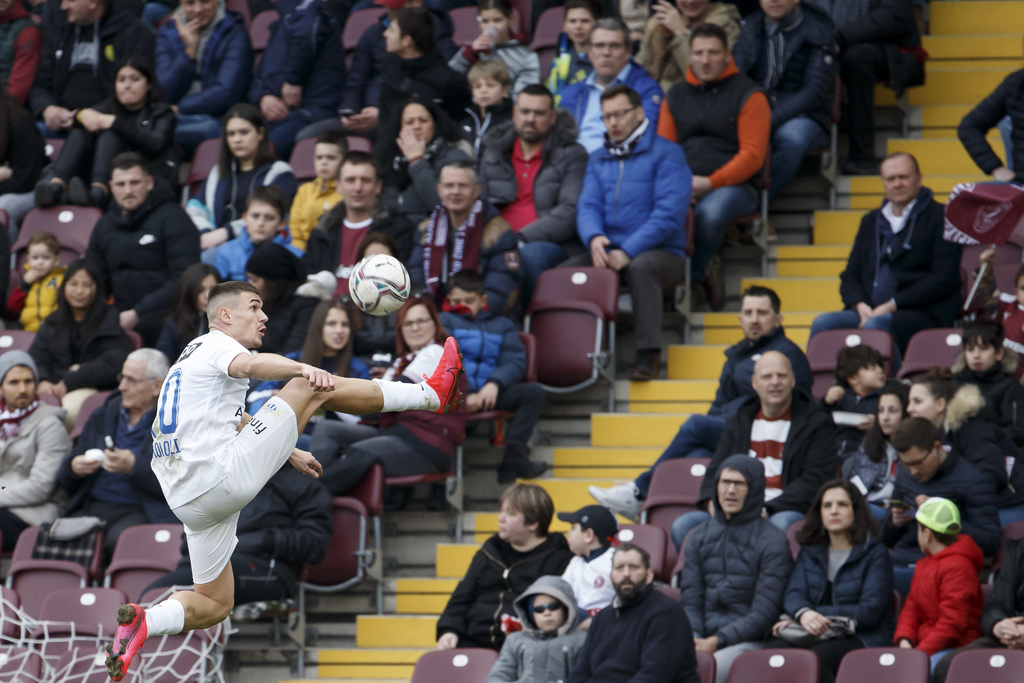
x=620, y=498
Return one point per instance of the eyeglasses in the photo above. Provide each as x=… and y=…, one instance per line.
x=616, y=115
x=729, y=483
x=608, y=47
x=130, y=381
x=917, y=463
x=550, y=607
x=409, y=324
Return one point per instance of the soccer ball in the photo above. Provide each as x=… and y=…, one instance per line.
x=379, y=284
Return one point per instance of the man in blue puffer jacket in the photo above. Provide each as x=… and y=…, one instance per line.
x=494, y=360
x=204, y=64
x=631, y=216
x=302, y=75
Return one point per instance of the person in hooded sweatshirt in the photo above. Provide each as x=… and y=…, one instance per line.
x=737, y=567
x=142, y=245
x=547, y=647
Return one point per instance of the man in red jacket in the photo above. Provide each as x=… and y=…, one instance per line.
x=943, y=609
x=20, y=46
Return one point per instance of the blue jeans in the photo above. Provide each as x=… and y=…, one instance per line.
x=192, y=129
x=686, y=523
x=937, y=657
x=713, y=214
x=537, y=257
x=1008, y=516
x=1005, y=127
x=878, y=512
x=697, y=438
x=790, y=142
x=850, y=319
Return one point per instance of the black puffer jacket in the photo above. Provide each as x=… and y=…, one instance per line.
x=1007, y=598
x=808, y=457
x=101, y=359
x=495, y=578
x=556, y=187
x=142, y=254
x=737, y=569
x=1003, y=393
x=1006, y=100
x=150, y=132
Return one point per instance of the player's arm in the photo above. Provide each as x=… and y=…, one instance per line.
x=270, y=366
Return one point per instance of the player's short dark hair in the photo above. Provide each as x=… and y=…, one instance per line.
x=632, y=95
x=758, y=290
x=467, y=281
x=225, y=291
x=982, y=333
x=272, y=195
x=851, y=359
x=645, y=556
x=418, y=24
x=709, y=30
x=915, y=432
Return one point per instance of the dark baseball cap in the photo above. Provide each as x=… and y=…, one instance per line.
x=596, y=517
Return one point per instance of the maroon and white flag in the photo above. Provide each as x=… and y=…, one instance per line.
x=984, y=213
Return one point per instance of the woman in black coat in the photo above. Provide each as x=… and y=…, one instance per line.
x=81, y=347
x=135, y=118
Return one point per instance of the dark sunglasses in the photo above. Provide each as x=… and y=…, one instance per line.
x=551, y=606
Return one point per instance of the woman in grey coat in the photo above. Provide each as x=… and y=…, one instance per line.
x=542, y=652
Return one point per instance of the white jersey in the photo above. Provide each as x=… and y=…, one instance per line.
x=197, y=417
x=591, y=581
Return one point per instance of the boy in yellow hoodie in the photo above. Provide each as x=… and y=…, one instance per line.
x=319, y=196
x=35, y=297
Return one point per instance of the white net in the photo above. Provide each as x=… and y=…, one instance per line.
x=34, y=651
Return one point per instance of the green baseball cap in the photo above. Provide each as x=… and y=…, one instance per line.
x=940, y=515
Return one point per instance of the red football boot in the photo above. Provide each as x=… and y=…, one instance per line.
x=128, y=640
x=445, y=380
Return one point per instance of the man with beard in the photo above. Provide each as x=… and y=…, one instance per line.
x=645, y=635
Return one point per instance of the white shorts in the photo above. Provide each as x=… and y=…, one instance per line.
x=211, y=520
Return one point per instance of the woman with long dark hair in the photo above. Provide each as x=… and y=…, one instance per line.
x=414, y=145
x=246, y=161
x=843, y=570
x=134, y=118
x=188, y=312
x=81, y=347
x=872, y=468
x=414, y=442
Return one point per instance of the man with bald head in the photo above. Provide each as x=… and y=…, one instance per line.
x=787, y=432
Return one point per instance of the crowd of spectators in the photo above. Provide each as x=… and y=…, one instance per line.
x=487, y=168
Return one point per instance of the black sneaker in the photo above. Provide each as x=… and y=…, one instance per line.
x=47, y=194
x=98, y=197
x=78, y=193
x=516, y=464
x=647, y=366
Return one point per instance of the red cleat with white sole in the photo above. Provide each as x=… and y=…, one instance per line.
x=128, y=640
x=445, y=380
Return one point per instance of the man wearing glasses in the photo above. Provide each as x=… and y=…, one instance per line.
x=927, y=470
x=608, y=50
x=631, y=216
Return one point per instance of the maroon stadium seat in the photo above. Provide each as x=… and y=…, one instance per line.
x=259, y=34
x=358, y=144
x=655, y=541
x=35, y=579
x=302, y=160
x=1011, y=532
x=71, y=225
x=242, y=7
x=573, y=315
x=355, y=27
x=90, y=404
x=674, y=491
x=884, y=665
x=988, y=666
x=143, y=554
x=707, y=669
x=206, y=156
x=10, y=621
x=775, y=666
x=668, y=591
x=791, y=532
x=20, y=664
x=461, y=665
x=53, y=147
x=929, y=348
x=548, y=29
x=824, y=347
x=370, y=492
x=78, y=623
x=466, y=27
x=16, y=340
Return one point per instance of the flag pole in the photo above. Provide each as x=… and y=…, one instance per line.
x=977, y=281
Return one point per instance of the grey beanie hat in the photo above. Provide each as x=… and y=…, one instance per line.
x=15, y=358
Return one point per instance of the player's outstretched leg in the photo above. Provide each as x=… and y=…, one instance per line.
x=128, y=640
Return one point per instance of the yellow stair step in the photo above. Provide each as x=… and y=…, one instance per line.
x=731, y=321
x=604, y=457
x=609, y=473
x=977, y=17
x=798, y=335
x=453, y=558
x=944, y=115
x=811, y=261
x=634, y=429
x=801, y=293
x=946, y=47
x=674, y=407
x=396, y=631
x=696, y=362
x=957, y=86
x=836, y=227
x=809, y=268
x=673, y=390
x=421, y=604
x=940, y=184
x=939, y=157
x=571, y=494
x=424, y=585
x=370, y=656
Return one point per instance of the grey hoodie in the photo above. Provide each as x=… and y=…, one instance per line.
x=531, y=656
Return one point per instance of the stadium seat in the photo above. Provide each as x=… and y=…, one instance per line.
x=573, y=316
x=75, y=625
x=1011, y=532
x=674, y=491
x=654, y=540
x=466, y=27
x=358, y=144
x=143, y=554
x=10, y=620
x=775, y=666
x=20, y=664
x=50, y=400
x=461, y=665
x=990, y=666
x=136, y=338
x=302, y=160
x=181, y=657
x=259, y=34
x=824, y=347
x=242, y=7
x=206, y=156
x=370, y=492
x=453, y=487
x=668, y=591
x=1008, y=260
x=928, y=349
x=355, y=27
x=707, y=669
x=791, y=532
x=52, y=148
x=71, y=225
x=548, y=29
x=34, y=579
x=90, y=404
x=16, y=340
x=884, y=665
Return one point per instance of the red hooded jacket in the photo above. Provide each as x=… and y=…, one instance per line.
x=943, y=609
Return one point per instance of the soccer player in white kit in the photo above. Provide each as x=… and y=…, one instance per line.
x=211, y=458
